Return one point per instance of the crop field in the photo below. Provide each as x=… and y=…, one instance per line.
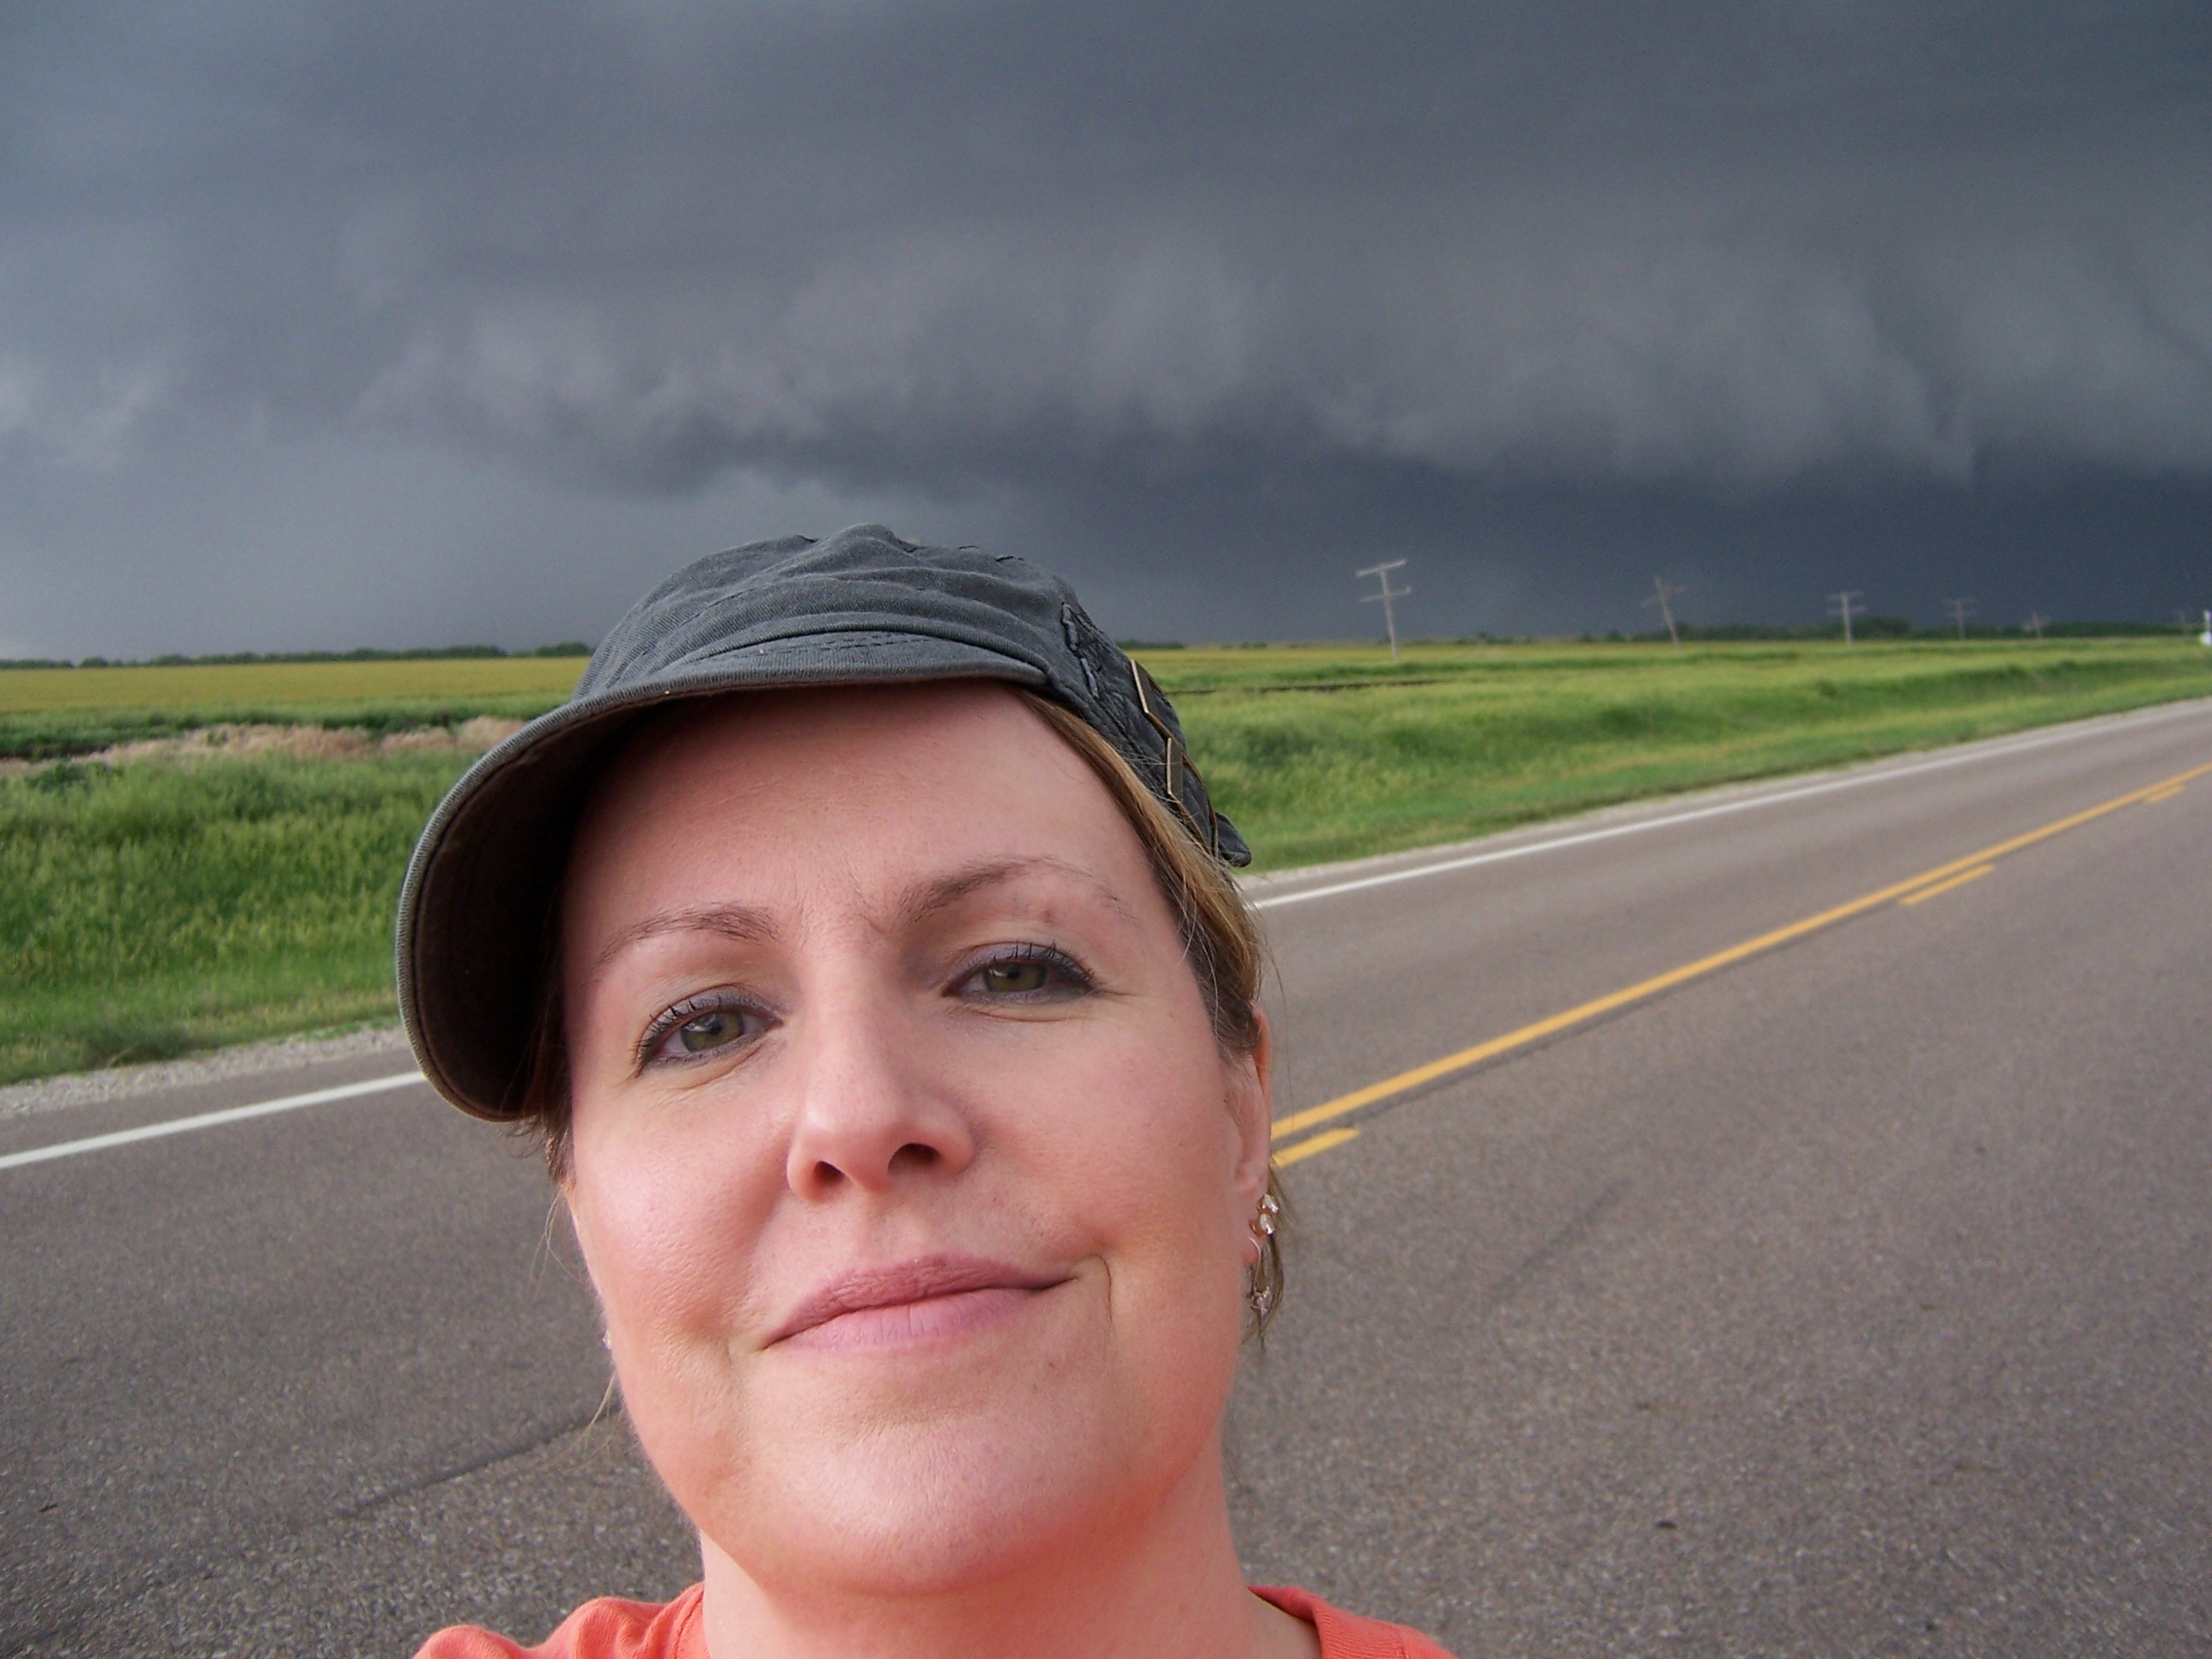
x=157, y=907
x=48, y=713
x=264, y=684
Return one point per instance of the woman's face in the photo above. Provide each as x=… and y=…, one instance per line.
x=916, y=1189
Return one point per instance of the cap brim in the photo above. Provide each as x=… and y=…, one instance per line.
x=472, y=937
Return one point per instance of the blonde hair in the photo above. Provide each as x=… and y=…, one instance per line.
x=1221, y=940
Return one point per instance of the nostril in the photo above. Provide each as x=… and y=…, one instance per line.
x=914, y=1156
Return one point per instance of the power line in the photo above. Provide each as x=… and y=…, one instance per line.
x=1960, y=609
x=1381, y=574
x=1839, y=605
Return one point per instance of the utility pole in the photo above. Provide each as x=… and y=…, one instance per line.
x=2036, y=619
x=1381, y=574
x=1960, y=609
x=1663, y=594
x=2205, y=638
x=1839, y=605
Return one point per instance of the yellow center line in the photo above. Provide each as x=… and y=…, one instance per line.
x=1644, y=989
x=1946, y=886
x=2163, y=794
x=1320, y=1143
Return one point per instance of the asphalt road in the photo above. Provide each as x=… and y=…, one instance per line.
x=1853, y=1297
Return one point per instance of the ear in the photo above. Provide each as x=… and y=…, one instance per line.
x=1251, y=1106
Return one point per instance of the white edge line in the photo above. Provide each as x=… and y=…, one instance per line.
x=1991, y=751
x=177, y=1126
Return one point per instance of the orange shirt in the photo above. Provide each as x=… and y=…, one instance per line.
x=609, y=1629
x=1344, y=1636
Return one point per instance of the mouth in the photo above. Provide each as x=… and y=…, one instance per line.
x=909, y=1302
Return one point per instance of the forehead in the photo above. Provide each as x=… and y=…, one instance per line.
x=869, y=785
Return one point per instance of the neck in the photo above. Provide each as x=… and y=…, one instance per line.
x=1165, y=1583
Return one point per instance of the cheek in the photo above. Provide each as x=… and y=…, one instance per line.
x=1141, y=1151
x=668, y=1223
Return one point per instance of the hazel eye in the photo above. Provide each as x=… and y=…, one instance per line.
x=694, y=1028
x=711, y=1030
x=1015, y=977
x=1028, y=974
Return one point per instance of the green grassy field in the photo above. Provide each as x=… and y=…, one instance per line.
x=58, y=712
x=148, y=910
x=153, y=908
x=1327, y=755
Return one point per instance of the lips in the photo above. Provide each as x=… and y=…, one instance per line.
x=906, y=1301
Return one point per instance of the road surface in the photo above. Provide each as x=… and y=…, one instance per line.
x=1804, y=1251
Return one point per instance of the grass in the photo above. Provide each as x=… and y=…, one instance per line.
x=1323, y=754
x=148, y=910
x=156, y=908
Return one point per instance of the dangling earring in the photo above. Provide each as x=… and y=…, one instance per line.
x=1260, y=1293
x=1263, y=1224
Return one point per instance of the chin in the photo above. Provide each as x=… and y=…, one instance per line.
x=941, y=1468
x=921, y=1509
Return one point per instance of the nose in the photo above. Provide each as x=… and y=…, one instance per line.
x=869, y=1114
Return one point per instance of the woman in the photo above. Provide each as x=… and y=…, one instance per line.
x=859, y=941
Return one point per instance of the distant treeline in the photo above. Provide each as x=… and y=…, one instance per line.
x=362, y=654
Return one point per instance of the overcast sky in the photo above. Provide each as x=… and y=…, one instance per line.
x=324, y=325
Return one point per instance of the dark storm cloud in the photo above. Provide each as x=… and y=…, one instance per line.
x=1260, y=284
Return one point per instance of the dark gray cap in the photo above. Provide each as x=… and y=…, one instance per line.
x=860, y=608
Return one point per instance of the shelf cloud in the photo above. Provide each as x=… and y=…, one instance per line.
x=1181, y=294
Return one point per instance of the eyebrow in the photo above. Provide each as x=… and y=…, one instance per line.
x=737, y=922
x=753, y=926
x=927, y=897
